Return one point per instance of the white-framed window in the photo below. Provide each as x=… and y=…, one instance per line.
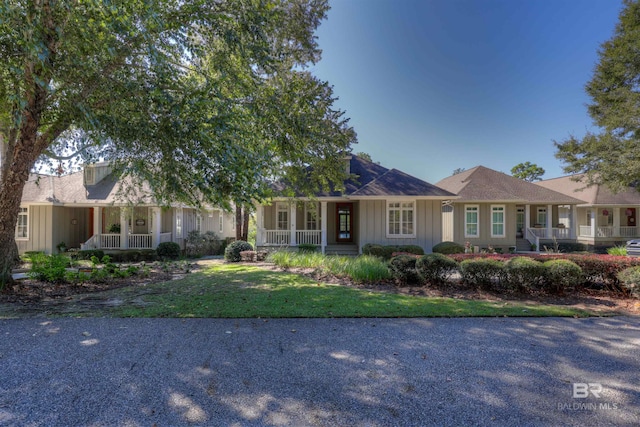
x=282, y=216
x=179, y=223
x=22, y=226
x=311, y=216
x=472, y=221
x=541, y=218
x=497, y=220
x=198, y=222
x=220, y=221
x=400, y=219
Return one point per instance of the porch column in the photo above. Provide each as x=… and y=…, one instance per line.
x=616, y=222
x=549, y=221
x=156, y=220
x=292, y=214
x=527, y=221
x=259, y=225
x=592, y=221
x=323, y=226
x=124, y=228
x=575, y=227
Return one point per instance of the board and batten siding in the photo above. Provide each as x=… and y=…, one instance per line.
x=71, y=226
x=485, y=238
x=40, y=230
x=373, y=224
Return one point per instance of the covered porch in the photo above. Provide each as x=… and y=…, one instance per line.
x=329, y=225
x=546, y=223
x=608, y=222
x=128, y=228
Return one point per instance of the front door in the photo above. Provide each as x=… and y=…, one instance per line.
x=344, y=222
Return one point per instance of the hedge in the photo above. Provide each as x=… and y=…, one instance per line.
x=403, y=269
x=524, y=273
x=448, y=248
x=562, y=274
x=386, y=251
x=481, y=272
x=435, y=268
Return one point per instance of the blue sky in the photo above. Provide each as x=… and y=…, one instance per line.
x=435, y=85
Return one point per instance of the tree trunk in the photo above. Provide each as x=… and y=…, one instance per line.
x=245, y=224
x=238, y=222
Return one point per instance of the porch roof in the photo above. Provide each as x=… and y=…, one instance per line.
x=483, y=184
x=592, y=195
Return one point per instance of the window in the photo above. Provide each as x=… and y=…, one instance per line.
x=220, y=221
x=282, y=217
x=311, y=216
x=400, y=219
x=22, y=226
x=471, y=217
x=520, y=220
x=542, y=217
x=179, y=223
x=198, y=222
x=497, y=221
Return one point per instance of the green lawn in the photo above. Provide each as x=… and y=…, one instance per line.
x=236, y=291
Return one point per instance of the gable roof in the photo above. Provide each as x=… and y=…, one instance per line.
x=374, y=180
x=481, y=184
x=593, y=195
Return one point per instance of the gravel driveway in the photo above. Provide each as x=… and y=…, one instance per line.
x=324, y=372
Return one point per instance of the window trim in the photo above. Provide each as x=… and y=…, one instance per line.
x=220, y=222
x=26, y=214
x=504, y=221
x=413, y=210
x=198, y=223
x=311, y=207
x=285, y=209
x=540, y=210
x=477, y=223
x=179, y=223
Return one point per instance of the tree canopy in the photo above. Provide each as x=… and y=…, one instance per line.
x=611, y=155
x=205, y=101
x=527, y=171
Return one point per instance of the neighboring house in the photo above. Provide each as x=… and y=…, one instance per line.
x=604, y=218
x=501, y=211
x=380, y=205
x=86, y=210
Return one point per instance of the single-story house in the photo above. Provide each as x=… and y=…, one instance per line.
x=604, y=218
x=497, y=210
x=379, y=205
x=86, y=210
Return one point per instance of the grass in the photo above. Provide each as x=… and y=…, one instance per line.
x=240, y=291
x=361, y=269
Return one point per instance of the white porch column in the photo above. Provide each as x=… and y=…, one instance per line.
x=323, y=226
x=527, y=220
x=292, y=214
x=156, y=220
x=575, y=228
x=592, y=221
x=616, y=222
x=259, y=225
x=549, y=221
x=124, y=228
x=97, y=225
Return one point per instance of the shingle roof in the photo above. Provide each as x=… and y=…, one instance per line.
x=593, y=195
x=484, y=184
x=372, y=179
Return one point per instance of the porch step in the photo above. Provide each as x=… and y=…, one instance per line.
x=522, y=245
x=350, y=250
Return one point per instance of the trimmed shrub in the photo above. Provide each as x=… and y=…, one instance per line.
x=412, y=249
x=435, y=268
x=403, y=269
x=168, y=250
x=562, y=274
x=630, y=280
x=448, y=248
x=49, y=268
x=524, y=273
x=88, y=253
x=481, y=272
x=232, y=251
x=568, y=247
x=307, y=248
x=387, y=251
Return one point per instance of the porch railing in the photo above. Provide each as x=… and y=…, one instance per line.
x=557, y=232
x=277, y=237
x=308, y=237
x=109, y=241
x=112, y=241
x=533, y=238
x=283, y=237
x=624, y=231
x=140, y=241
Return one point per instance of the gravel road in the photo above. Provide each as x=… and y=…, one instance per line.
x=320, y=372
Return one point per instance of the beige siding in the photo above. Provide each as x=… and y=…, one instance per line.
x=71, y=226
x=40, y=231
x=484, y=225
x=447, y=223
x=373, y=224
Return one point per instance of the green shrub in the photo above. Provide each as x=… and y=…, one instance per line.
x=88, y=253
x=617, y=250
x=481, y=272
x=524, y=273
x=49, y=268
x=630, y=280
x=232, y=252
x=568, y=247
x=307, y=248
x=435, y=268
x=28, y=255
x=562, y=274
x=403, y=269
x=412, y=249
x=448, y=248
x=168, y=250
x=387, y=251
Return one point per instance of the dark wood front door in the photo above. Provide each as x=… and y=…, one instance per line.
x=344, y=222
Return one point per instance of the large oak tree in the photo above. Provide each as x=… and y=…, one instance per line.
x=611, y=156
x=207, y=101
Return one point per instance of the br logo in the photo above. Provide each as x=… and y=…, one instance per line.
x=582, y=390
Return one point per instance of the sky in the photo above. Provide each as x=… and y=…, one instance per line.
x=435, y=85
